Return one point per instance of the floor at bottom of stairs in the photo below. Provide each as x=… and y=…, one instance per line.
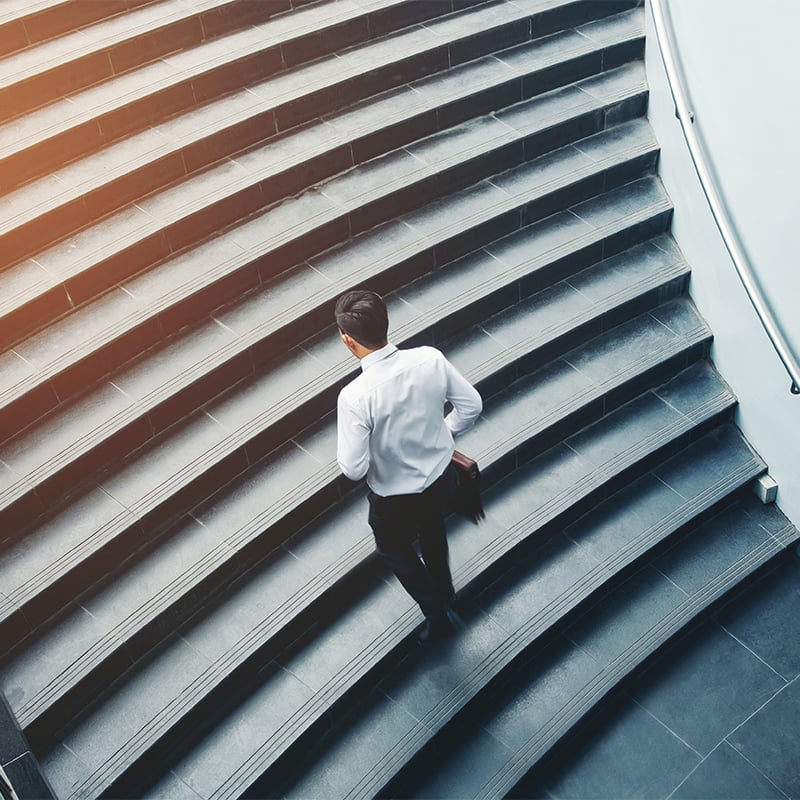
x=716, y=717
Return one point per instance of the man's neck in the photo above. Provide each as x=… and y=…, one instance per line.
x=361, y=352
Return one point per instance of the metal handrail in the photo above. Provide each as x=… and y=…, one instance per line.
x=722, y=219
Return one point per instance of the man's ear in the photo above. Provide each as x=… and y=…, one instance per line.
x=349, y=341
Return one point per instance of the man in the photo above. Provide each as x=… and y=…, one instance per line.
x=391, y=428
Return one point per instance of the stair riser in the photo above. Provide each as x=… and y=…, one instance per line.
x=82, y=72
x=491, y=385
x=192, y=92
x=437, y=60
x=516, y=675
x=597, y=409
x=295, y=759
x=41, y=158
x=580, y=11
x=708, y=603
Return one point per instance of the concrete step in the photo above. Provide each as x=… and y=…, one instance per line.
x=556, y=684
x=508, y=201
x=239, y=429
x=422, y=695
x=344, y=649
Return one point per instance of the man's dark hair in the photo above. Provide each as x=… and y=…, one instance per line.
x=363, y=316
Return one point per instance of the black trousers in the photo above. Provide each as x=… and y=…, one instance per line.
x=397, y=522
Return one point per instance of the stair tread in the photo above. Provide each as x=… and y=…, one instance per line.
x=507, y=625
x=528, y=718
x=532, y=405
x=445, y=218
x=352, y=539
x=245, y=411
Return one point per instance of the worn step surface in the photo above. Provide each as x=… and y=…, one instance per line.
x=556, y=684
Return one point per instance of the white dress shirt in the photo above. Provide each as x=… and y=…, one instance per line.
x=391, y=425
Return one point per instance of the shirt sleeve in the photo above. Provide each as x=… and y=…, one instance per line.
x=352, y=440
x=465, y=399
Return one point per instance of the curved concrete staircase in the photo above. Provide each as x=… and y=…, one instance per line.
x=188, y=594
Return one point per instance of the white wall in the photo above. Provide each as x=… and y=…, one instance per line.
x=738, y=61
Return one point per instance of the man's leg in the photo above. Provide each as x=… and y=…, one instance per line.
x=436, y=554
x=395, y=534
x=433, y=537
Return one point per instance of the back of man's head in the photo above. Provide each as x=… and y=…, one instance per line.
x=363, y=316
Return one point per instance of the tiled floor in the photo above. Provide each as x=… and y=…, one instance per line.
x=716, y=717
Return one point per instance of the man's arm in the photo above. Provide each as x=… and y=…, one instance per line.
x=352, y=441
x=467, y=403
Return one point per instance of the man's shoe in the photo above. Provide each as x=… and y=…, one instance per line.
x=436, y=629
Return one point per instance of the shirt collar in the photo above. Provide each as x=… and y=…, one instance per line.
x=377, y=355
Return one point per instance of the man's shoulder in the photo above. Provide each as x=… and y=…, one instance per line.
x=423, y=353
x=351, y=390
